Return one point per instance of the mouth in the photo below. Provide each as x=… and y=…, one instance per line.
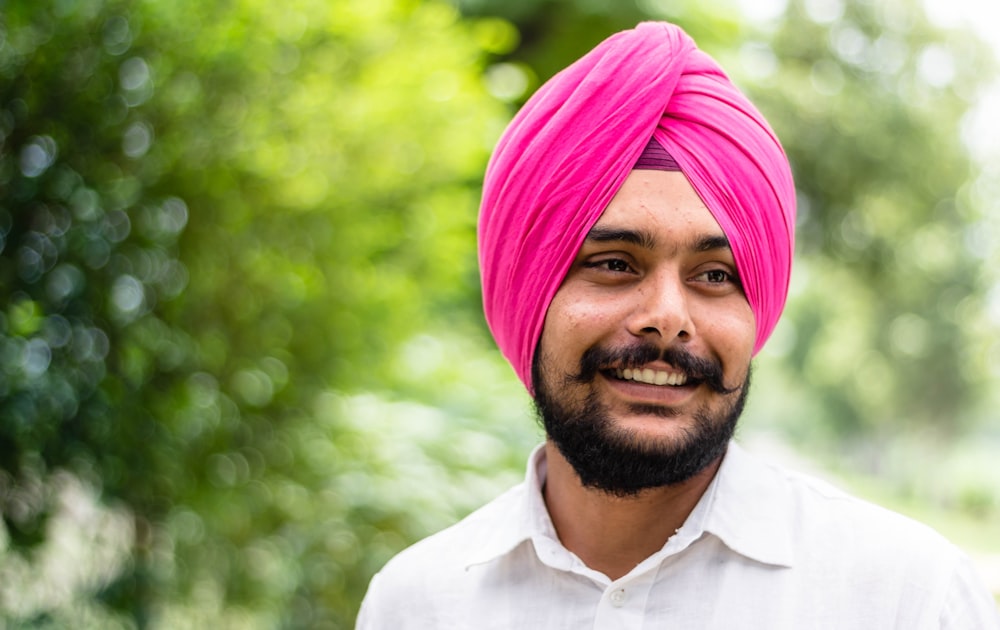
x=650, y=376
x=643, y=370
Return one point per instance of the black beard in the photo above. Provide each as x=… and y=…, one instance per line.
x=617, y=461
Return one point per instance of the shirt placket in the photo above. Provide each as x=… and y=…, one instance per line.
x=623, y=603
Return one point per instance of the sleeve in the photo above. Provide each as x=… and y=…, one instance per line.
x=368, y=616
x=968, y=603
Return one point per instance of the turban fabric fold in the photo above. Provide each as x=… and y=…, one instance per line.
x=569, y=149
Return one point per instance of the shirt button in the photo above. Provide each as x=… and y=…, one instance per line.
x=618, y=598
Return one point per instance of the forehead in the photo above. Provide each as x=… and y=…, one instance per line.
x=661, y=203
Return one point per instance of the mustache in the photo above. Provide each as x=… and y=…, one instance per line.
x=699, y=370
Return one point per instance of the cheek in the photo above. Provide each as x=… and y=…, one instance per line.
x=732, y=330
x=568, y=331
x=578, y=320
x=743, y=333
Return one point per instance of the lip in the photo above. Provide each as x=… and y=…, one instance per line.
x=635, y=392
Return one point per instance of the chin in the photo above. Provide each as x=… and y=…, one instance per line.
x=649, y=446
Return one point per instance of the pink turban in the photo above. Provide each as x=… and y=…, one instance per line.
x=570, y=148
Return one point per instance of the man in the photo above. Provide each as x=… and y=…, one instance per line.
x=635, y=246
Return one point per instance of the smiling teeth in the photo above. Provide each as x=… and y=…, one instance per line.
x=652, y=377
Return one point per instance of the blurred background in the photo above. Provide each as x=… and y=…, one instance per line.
x=242, y=356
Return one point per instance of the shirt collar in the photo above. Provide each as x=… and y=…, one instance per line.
x=749, y=509
x=526, y=515
x=744, y=506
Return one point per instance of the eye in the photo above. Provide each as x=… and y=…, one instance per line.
x=718, y=279
x=717, y=276
x=616, y=265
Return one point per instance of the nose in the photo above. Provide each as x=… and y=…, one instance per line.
x=661, y=310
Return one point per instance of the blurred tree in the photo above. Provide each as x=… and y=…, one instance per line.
x=888, y=310
x=884, y=330
x=211, y=213
x=221, y=223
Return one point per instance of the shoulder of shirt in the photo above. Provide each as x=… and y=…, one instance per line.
x=812, y=508
x=494, y=525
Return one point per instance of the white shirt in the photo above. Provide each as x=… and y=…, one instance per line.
x=764, y=548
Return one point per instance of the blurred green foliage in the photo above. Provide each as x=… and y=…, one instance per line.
x=241, y=354
x=211, y=214
x=889, y=315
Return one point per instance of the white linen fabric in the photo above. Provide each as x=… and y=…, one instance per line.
x=764, y=548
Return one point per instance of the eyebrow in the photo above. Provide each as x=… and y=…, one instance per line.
x=710, y=243
x=646, y=240
x=642, y=238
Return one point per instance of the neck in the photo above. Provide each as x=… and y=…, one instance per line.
x=613, y=534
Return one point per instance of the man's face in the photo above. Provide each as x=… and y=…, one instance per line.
x=644, y=361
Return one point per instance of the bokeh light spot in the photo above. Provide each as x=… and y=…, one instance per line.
x=38, y=155
x=507, y=81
